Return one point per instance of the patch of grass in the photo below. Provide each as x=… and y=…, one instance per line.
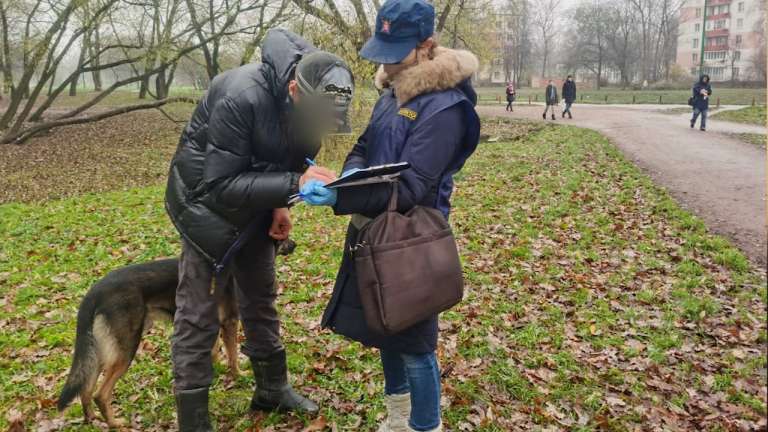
x=585, y=290
x=750, y=138
x=752, y=115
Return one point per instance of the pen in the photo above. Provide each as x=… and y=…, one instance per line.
x=310, y=162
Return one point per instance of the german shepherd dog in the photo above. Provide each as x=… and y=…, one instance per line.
x=115, y=314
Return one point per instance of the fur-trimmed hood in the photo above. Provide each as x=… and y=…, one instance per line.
x=447, y=69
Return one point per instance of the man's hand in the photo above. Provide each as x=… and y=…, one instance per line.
x=281, y=224
x=319, y=173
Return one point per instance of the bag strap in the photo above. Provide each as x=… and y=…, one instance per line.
x=392, y=207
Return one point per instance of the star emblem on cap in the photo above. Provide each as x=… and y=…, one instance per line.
x=385, y=26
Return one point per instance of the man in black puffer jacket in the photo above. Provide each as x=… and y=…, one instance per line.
x=238, y=162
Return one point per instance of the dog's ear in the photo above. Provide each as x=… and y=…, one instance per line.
x=286, y=247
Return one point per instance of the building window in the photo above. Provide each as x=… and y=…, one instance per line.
x=693, y=71
x=738, y=40
x=714, y=55
x=698, y=12
x=719, y=24
x=737, y=55
x=695, y=57
x=735, y=73
x=741, y=6
x=697, y=28
x=695, y=42
x=739, y=23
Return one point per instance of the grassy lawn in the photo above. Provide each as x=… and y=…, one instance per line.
x=488, y=95
x=751, y=115
x=593, y=303
x=754, y=139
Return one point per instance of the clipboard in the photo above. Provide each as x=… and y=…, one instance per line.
x=374, y=174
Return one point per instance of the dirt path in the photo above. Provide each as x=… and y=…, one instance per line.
x=719, y=178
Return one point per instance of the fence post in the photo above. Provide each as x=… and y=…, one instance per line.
x=529, y=99
x=536, y=97
x=606, y=98
x=753, y=101
x=718, y=102
x=633, y=99
x=498, y=99
x=659, y=99
x=581, y=97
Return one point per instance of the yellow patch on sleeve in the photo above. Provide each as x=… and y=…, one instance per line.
x=408, y=113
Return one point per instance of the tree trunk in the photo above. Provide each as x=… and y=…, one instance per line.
x=96, y=62
x=80, y=60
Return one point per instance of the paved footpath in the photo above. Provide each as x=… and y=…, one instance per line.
x=713, y=174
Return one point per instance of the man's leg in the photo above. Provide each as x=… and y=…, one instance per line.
x=254, y=275
x=195, y=329
x=695, y=116
x=704, y=119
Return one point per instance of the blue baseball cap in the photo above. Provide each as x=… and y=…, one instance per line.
x=401, y=25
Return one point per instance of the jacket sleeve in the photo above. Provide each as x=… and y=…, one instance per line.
x=227, y=169
x=358, y=157
x=430, y=149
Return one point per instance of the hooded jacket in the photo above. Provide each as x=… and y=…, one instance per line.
x=426, y=116
x=550, y=95
x=699, y=101
x=233, y=164
x=569, y=91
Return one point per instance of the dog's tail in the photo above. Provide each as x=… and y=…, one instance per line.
x=85, y=362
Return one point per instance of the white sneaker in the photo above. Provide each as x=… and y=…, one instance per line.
x=398, y=413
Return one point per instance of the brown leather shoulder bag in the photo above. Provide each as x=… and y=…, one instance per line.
x=408, y=267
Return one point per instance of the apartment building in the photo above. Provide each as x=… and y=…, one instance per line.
x=729, y=39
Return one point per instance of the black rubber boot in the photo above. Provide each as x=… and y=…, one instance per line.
x=569, y=115
x=553, y=116
x=192, y=410
x=544, y=116
x=273, y=393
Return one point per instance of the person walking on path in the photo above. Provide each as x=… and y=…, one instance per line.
x=550, y=98
x=239, y=160
x=425, y=116
x=510, y=96
x=569, y=95
x=701, y=93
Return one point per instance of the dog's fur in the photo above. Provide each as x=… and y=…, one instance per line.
x=446, y=69
x=114, y=315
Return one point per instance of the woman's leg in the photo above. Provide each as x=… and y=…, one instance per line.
x=395, y=378
x=424, y=378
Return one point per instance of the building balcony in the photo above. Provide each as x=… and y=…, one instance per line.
x=717, y=33
x=718, y=16
x=723, y=47
x=718, y=2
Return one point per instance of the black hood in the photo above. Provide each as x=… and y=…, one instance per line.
x=701, y=78
x=280, y=52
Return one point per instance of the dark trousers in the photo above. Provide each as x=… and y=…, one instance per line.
x=567, y=108
x=196, y=323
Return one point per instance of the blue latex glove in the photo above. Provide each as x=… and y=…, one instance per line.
x=315, y=193
x=349, y=172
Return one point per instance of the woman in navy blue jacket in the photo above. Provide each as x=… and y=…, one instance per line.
x=424, y=116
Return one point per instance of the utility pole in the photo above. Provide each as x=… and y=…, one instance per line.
x=703, y=39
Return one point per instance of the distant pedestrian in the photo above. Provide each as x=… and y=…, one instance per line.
x=701, y=93
x=569, y=95
x=550, y=98
x=510, y=96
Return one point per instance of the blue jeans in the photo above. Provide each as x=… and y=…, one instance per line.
x=418, y=374
x=703, y=113
x=567, y=107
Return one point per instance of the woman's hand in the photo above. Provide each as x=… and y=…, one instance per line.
x=281, y=224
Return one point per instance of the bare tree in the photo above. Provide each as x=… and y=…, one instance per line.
x=589, y=46
x=544, y=19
